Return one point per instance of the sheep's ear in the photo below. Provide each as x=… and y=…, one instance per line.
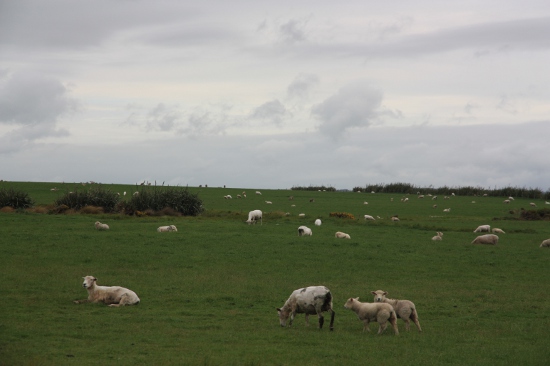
x=357, y=299
x=373, y=292
x=95, y=279
x=385, y=293
x=278, y=309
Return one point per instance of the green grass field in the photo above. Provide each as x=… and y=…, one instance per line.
x=209, y=292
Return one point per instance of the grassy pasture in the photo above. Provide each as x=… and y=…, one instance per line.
x=209, y=291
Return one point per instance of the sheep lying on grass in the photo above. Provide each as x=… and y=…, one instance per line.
x=164, y=229
x=304, y=231
x=109, y=295
x=498, y=231
x=100, y=226
x=341, y=235
x=404, y=309
x=483, y=228
x=439, y=236
x=318, y=222
x=379, y=312
x=491, y=239
x=545, y=243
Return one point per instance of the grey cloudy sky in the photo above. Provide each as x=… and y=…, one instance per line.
x=258, y=94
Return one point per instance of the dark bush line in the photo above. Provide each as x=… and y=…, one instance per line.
x=407, y=188
x=15, y=199
x=314, y=188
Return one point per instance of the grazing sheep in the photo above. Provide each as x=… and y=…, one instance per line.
x=318, y=222
x=109, y=295
x=545, y=243
x=483, y=229
x=404, y=309
x=506, y=201
x=304, y=231
x=309, y=301
x=259, y=193
x=498, y=231
x=486, y=239
x=447, y=209
x=341, y=235
x=395, y=218
x=302, y=215
x=100, y=226
x=379, y=312
x=165, y=229
x=439, y=236
x=228, y=197
x=533, y=204
x=434, y=206
x=253, y=216
x=511, y=198
x=365, y=203
x=421, y=196
x=369, y=217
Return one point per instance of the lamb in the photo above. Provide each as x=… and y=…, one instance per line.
x=304, y=231
x=302, y=215
x=506, y=201
x=395, y=218
x=100, y=226
x=533, y=204
x=318, y=222
x=253, y=216
x=545, y=243
x=483, y=228
x=498, y=231
x=164, y=229
x=369, y=217
x=268, y=202
x=404, y=309
x=228, y=197
x=310, y=301
x=447, y=209
x=341, y=235
x=110, y=295
x=439, y=236
x=491, y=239
x=258, y=193
x=379, y=312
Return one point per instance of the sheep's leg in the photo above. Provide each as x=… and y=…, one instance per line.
x=81, y=301
x=307, y=320
x=321, y=320
x=366, y=325
x=393, y=322
x=414, y=317
x=332, y=319
x=407, y=324
x=382, y=327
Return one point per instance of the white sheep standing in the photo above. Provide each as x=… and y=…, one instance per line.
x=545, y=243
x=498, y=231
x=369, y=217
x=439, y=236
x=258, y=193
x=506, y=201
x=395, y=218
x=304, y=231
x=486, y=239
x=379, y=312
x=341, y=235
x=253, y=216
x=100, y=226
x=404, y=309
x=110, y=295
x=533, y=204
x=318, y=222
x=483, y=229
x=168, y=228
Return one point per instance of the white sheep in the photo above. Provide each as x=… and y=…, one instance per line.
x=228, y=197
x=483, y=229
x=491, y=239
x=439, y=236
x=253, y=216
x=318, y=222
x=268, y=202
x=545, y=243
x=395, y=218
x=506, y=201
x=110, y=295
x=365, y=203
x=302, y=215
x=258, y=193
x=498, y=231
x=369, y=217
x=164, y=229
x=341, y=235
x=533, y=204
x=404, y=309
x=379, y=312
x=309, y=301
x=447, y=209
x=304, y=231
x=100, y=226
x=511, y=198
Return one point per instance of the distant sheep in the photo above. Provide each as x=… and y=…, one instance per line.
x=318, y=222
x=228, y=197
x=100, y=226
x=395, y=218
x=490, y=239
x=404, y=309
x=533, y=204
x=341, y=235
x=447, y=210
x=259, y=193
x=365, y=203
x=302, y=215
x=253, y=216
x=498, y=231
x=109, y=295
x=439, y=236
x=483, y=229
x=304, y=231
x=165, y=229
x=545, y=243
x=506, y=201
x=379, y=312
x=268, y=202
x=369, y=217
x=511, y=198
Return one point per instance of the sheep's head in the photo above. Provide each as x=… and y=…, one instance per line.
x=284, y=314
x=379, y=295
x=89, y=281
x=349, y=303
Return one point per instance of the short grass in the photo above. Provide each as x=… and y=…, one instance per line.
x=209, y=291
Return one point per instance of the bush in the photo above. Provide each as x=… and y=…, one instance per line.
x=542, y=214
x=164, y=199
x=15, y=199
x=342, y=215
x=96, y=196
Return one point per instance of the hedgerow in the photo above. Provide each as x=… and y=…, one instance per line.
x=15, y=199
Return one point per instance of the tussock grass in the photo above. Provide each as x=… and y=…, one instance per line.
x=209, y=291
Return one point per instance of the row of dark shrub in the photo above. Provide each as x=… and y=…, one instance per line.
x=407, y=188
x=176, y=200
x=314, y=188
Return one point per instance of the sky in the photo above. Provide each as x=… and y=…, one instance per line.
x=274, y=95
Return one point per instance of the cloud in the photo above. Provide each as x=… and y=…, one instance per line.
x=301, y=85
x=272, y=112
x=293, y=31
x=355, y=105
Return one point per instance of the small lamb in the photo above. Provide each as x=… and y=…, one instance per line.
x=379, y=312
x=439, y=236
x=341, y=235
x=545, y=243
x=498, y=231
x=100, y=226
x=404, y=309
x=304, y=231
x=483, y=228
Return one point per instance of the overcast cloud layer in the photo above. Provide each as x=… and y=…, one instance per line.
x=258, y=94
